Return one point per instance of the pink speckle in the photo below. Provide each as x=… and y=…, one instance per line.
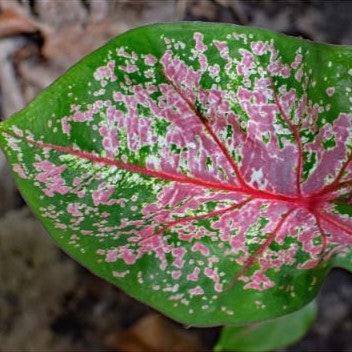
x=177, y=70
x=20, y=171
x=176, y=274
x=76, y=181
x=150, y=60
x=61, y=226
x=210, y=273
x=330, y=91
x=218, y=287
x=13, y=143
x=196, y=291
x=79, y=115
x=81, y=193
x=66, y=127
x=214, y=276
x=111, y=256
x=214, y=70
x=73, y=209
x=120, y=274
x=129, y=68
x=18, y=132
x=299, y=75
x=105, y=214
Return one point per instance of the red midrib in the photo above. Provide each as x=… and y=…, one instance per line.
x=166, y=176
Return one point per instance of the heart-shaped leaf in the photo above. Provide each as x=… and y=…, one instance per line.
x=203, y=168
x=268, y=335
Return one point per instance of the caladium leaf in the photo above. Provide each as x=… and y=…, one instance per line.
x=203, y=168
x=268, y=335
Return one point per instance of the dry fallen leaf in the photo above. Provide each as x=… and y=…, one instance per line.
x=13, y=22
x=155, y=333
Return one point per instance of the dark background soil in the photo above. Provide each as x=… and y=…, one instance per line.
x=47, y=301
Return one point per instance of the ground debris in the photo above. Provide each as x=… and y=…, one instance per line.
x=155, y=333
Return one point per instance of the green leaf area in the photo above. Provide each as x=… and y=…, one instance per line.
x=204, y=169
x=269, y=335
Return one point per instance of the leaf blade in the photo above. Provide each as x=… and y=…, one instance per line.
x=204, y=239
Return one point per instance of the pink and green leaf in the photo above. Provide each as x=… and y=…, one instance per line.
x=206, y=169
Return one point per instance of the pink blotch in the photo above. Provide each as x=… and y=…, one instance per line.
x=297, y=61
x=196, y=291
x=222, y=48
x=150, y=60
x=194, y=276
x=178, y=254
x=50, y=175
x=102, y=194
x=123, y=53
x=200, y=247
x=128, y=256
x=73, y=209
x=200, y=46
x=259, y=48
x=111, y=256
x=299, y=75
x=105, y=73
x=246, y=64
x=176, y=274
x=260, y=282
